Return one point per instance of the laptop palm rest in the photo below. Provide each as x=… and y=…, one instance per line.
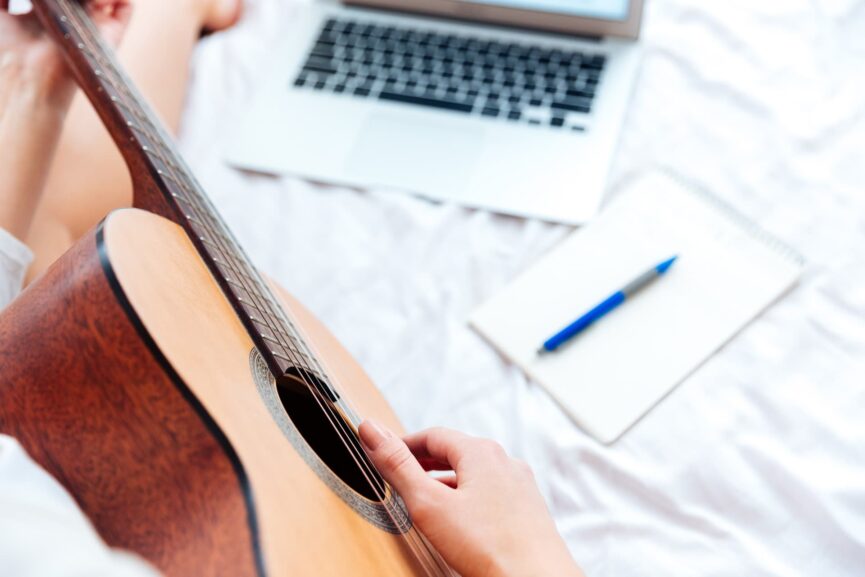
x=414, y=154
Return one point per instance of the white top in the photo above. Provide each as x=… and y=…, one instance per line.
x=14, y=260
x=35, y=510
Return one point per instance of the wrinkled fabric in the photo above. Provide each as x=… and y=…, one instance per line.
x=43, y=532
x=754, y=466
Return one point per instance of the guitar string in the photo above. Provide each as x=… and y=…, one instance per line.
x=229, y=260
x=230, y=263
x=434, y=557
x=180, y=181
x=250, y=292
x=192, y=201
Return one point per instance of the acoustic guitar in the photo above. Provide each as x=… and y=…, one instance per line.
x=200, y=416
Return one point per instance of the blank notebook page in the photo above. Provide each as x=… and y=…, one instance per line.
x=610, y=375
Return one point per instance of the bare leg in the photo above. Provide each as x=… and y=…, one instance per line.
x=89, y=178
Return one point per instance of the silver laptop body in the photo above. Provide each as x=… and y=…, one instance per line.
x=514, y=106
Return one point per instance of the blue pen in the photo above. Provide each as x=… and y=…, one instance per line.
x=605, y=307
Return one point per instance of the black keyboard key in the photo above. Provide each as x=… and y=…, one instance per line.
x=490, y=111
x=319, y=65
x=572, y=105
x=361, y=91
x=557, y=121
x=514, y=115
x=441, y=103
x=595, y=62
x=580, y=93
x=551, y=89
x=323, y=49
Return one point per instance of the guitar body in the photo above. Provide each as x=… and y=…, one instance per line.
x=126, y=373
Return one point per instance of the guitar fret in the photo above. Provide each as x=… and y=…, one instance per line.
x=282, y=356
x=246, y=275
x=124, y=110
x=140, y=134
x=212, y=244
x=250, y=308
x=232, y=281
x=262, y=326
x=286, y=341
x=270, y=339
x=243, y=295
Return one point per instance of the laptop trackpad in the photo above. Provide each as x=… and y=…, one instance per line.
x=415, y=154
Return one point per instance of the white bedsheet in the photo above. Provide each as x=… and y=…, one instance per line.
x=754, y=466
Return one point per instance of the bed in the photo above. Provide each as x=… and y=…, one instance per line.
x=753, y=466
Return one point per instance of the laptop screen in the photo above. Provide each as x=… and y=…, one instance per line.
x=599, y=9
x=596, y=18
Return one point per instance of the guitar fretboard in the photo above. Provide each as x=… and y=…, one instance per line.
x=146, y=145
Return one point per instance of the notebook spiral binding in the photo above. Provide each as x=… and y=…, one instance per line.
x=737, y=217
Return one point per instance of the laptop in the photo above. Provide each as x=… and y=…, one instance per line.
x=514, y=106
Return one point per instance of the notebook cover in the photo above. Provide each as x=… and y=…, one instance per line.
x=609, y=376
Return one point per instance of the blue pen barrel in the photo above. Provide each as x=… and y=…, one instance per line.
x=584, y=321
x=605, y=307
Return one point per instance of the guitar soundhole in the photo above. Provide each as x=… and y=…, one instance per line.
x=327, y=433
x=325, y=441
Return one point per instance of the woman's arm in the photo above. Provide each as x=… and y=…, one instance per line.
x=30, y=122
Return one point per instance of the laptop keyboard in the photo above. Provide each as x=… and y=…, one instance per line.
x=513, y=81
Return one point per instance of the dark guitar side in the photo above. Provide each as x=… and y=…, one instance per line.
x=94, y=402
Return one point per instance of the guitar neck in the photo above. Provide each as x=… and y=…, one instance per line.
x=163, y=184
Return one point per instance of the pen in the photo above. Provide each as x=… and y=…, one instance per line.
x=605, y=306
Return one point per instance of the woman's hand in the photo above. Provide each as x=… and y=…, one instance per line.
x=27, y=52
x=488, y=518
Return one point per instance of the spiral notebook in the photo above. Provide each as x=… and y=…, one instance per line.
x=609, y=376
